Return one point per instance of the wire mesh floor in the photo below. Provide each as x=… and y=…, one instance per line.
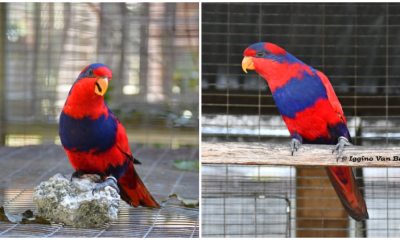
x=21, y=169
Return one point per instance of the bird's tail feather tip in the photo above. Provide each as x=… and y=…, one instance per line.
x=138, y=196
x=345, y=185
x=360, y=217
x=366, y=216
x=358, y=214
x=149, y=201
x=133, y=190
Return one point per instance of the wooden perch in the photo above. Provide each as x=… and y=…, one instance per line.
x=307, y=155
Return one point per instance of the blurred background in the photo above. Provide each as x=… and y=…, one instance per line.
x=356, y=46
x=151, y=48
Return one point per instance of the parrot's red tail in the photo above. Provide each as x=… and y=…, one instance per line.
x=345, y=185
x=133, y=190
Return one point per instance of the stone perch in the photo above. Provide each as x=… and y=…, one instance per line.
x=73, y=203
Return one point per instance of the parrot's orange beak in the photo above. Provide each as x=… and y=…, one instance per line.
x=247, y=64
x=101, y=86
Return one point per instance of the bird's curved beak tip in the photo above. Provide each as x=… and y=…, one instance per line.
x=101, y=86
x=247, y=64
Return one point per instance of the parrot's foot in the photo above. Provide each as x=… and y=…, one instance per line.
x=339, y=148
x=294, y=145
x=110, y=182
x=77, y=174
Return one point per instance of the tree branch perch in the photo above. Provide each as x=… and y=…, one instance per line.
x=308, y=155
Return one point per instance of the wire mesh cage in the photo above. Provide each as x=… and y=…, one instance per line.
x=236, y=205
x=355, y=45
x=152, y=49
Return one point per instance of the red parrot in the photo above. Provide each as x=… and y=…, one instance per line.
x=95, y=140
x=311, y=111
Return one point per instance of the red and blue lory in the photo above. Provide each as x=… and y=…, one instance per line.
x=311, y=111
x=95, y=140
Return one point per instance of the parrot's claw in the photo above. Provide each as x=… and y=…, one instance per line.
x=294, y=145
x=109, y=182
x=339, y=148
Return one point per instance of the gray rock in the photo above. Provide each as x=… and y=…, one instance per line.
x=74, y=204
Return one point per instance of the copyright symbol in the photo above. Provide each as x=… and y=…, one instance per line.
x=344, y=158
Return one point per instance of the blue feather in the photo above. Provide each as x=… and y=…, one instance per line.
x=119, y=170
x=284, y=58
x=299, y=94
x=89, y=70
x=87, y=134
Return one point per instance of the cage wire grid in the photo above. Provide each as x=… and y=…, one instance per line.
x=152, y=49
x=355, y=45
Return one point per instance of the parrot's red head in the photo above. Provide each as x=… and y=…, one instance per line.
x=94, y=79
x=273, y=63
x=259, y=54
x=86, y=97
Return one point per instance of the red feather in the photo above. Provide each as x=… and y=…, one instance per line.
x=278, y=74
x=133, y=190
x=82, y=102
x=345, y=185
x=311, y=123
x=333, y=100
x=274, y=49
x=93, y=162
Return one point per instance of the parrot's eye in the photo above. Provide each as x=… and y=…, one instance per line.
x=260, y=54
x=90, y=72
